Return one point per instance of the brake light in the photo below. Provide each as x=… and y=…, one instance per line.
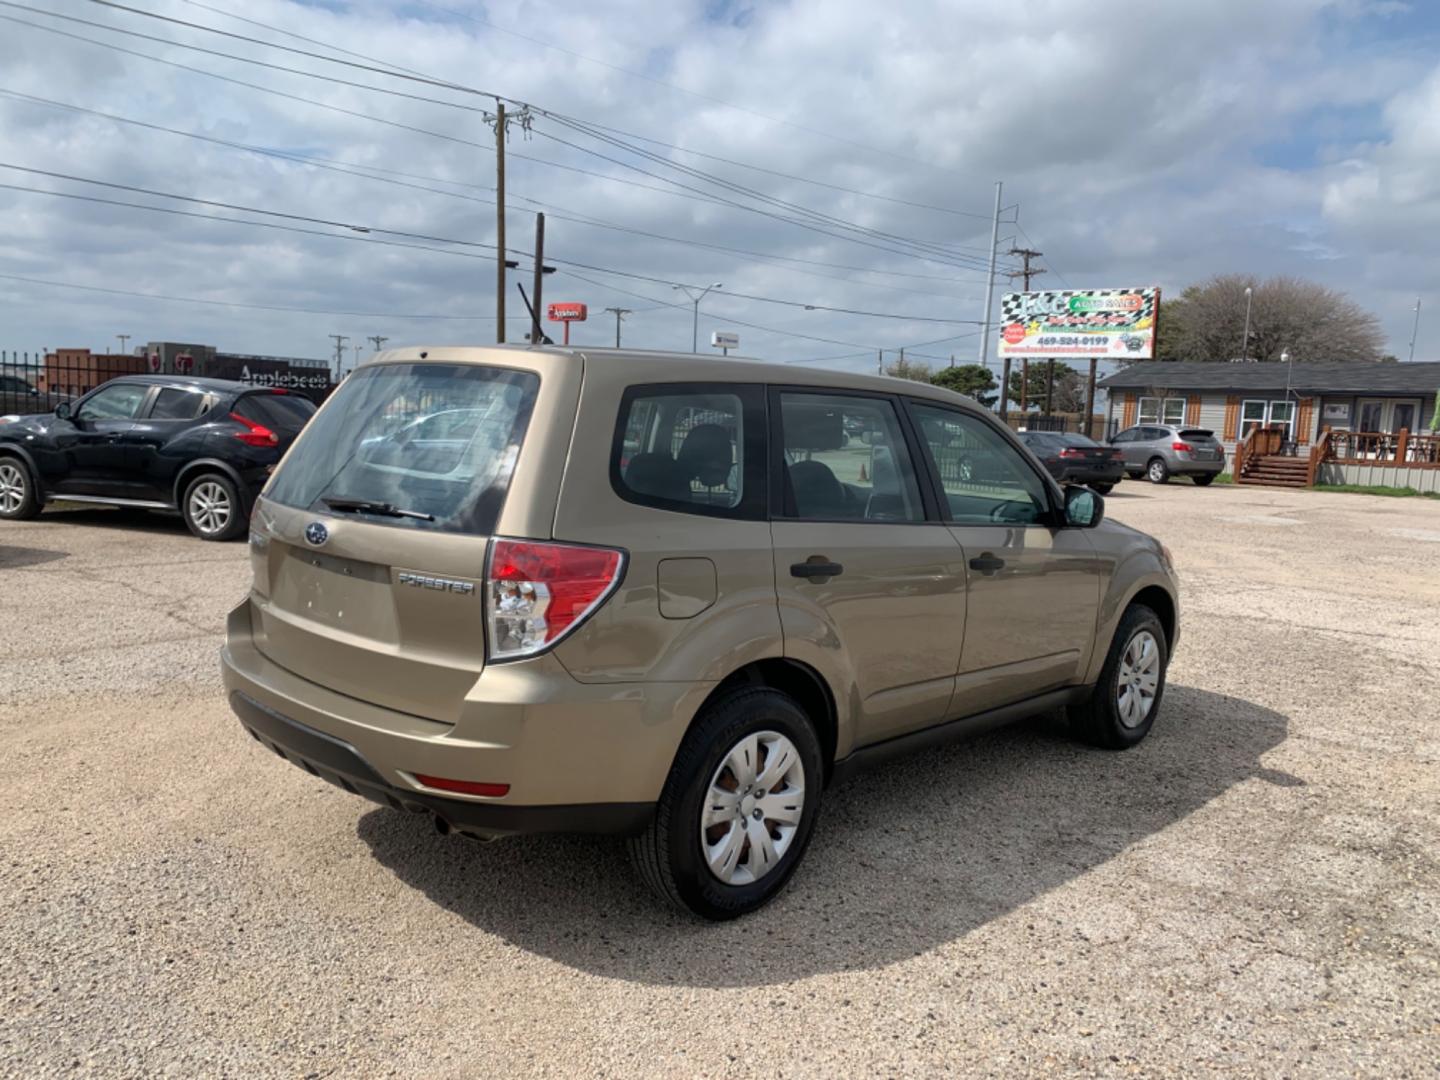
x=1117, y=454
x=464, y=787
x=1072, y=452
x=1185, y=446
x=537, y=592
x=254, y=434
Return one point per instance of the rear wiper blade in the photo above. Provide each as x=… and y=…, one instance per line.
x=384, y=509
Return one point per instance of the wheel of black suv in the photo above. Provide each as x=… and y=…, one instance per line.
x=737, y=809
x=212, y=507
x=1204, y=479
x=1158, y=471
x=1122, y=708
x=19, y=499
x=1103, y=489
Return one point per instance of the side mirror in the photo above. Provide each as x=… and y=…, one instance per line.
x=62, y=411
x=1083, y=508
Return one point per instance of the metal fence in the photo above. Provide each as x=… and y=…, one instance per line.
x=30, y=382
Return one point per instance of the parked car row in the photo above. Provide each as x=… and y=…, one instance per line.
x=1154, y=451
x=200, y=447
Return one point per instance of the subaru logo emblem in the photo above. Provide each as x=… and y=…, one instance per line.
x=316, y=533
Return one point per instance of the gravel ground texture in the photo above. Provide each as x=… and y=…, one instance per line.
x=1255, y=891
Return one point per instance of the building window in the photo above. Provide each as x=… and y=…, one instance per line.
x=1154, y=410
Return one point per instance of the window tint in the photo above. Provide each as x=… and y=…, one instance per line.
x=371, y=446
x=845, y=459
x=1128, y=435
x=279, y=412
x=173, y=404
x=1075, y=440
x=1197, y=434
x=682, y=448
x=11, y=382
x=118, y=402
x=984, y=478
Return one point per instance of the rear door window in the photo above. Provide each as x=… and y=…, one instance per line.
x=435, y=440
x=696, y=448
x=845, y=459
x=278, y=412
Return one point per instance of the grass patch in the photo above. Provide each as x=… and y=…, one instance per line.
x=1377, y=489
x=1224, y=478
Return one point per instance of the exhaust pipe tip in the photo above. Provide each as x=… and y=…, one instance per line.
x=441, y=825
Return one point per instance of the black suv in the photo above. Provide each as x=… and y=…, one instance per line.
x=18, y=396
x=203, y=447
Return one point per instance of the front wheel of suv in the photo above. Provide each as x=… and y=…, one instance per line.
x=19, y=499
x=1122, y=708
x=212, y=507
x=737, y=809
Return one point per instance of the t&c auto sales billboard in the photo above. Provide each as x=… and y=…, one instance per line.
x=1085, y=322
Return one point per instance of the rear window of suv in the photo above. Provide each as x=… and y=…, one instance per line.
x=438, y=441
x=279, y=412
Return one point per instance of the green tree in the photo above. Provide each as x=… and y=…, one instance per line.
x=1168, y=339
x=1069, y=392
x=913, y=370
x=972, y=380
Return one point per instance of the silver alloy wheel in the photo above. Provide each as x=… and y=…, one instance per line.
x=210, y=507
x=752, y=808
x=1157, y=471
x=1138, y=680
x=12, y=487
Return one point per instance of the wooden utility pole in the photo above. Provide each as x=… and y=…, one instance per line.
x=619, y=313
x=1005, y=390
x=1026, y=272
x=500, y=223
x=1090, y=397
x=1049, y=383
x=1024, y=386
x=537, y=335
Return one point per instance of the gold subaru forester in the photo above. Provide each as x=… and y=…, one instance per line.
x=537, y=589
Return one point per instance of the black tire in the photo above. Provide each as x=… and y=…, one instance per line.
x=210, y=489
x=14, y=473
x=1204, y=479
x=1098, y=721
x=668, y=853
x=1103, y=489
x=1157, y=471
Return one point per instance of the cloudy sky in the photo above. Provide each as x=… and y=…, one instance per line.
x=1138, y=144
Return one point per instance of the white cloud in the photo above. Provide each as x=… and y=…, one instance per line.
x=1134, y=141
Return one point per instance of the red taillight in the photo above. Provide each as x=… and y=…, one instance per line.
x=463, y=787
x=1185, y=446
x=1072, y=452
x=1117, y=454
x=254, y=434
x=537, y=592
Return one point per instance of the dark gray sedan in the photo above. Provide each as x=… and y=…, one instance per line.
x=1075, y=459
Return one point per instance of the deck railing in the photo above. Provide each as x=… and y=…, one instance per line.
x=1399, y=448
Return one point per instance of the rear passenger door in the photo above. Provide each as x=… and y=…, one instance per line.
x=1034, y=584
x=870, y=582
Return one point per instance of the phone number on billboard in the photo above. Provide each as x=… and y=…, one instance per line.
x=1070, y=339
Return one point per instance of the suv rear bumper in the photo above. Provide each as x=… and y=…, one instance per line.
x=337, y=762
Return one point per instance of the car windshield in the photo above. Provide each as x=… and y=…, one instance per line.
x=437, y=440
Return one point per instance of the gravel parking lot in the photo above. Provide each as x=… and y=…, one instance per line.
x=1255, y=890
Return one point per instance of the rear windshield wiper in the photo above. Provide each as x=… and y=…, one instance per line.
x=363, y=506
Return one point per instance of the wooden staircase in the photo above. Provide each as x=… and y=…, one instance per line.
x=1276, y=470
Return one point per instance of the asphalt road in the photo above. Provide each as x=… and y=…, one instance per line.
x=1254, y=891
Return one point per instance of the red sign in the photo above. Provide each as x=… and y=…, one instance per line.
x=184, y=363
x=568, y=312
x=1014, y=333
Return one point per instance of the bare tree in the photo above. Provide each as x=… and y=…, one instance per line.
x=1287, y=314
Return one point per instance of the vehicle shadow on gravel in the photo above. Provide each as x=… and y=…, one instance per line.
x=905, y=858
x=13, y=558
x=119, y=517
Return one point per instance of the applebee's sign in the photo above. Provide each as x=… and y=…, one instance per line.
x=568, y=313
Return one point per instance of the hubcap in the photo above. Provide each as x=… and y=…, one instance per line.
x=753, y=808
x=12, y=488
x=210, y=508
x=1138, y=680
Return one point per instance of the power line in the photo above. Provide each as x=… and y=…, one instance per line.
x=252, y=307
x=363, y=229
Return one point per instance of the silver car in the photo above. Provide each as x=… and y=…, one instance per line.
x=1160, y=451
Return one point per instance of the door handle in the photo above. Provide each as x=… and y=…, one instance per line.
x=816, y=569
x=987, y=563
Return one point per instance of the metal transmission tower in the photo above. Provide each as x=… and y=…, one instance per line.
x=619, y=313
x=1025, y=271
x=340, y=340
x=990, y=280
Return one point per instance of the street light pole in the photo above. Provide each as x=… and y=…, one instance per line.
x=1416, y=331
x=1245, y=344
x=695, y=322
